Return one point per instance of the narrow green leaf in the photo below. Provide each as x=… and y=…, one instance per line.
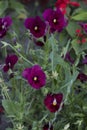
x=82, y=16
x=78, y=47
x=3, y=6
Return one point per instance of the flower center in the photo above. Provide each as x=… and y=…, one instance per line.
x=9, y=64
x=3, y=26
x=35, y=78
x=54, y=20
x=54, y=102
x=35, y=28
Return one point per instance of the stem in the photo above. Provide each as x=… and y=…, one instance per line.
x=18, y=53
x=4, y=91
x=21, y=55
x=28, y=46
x=52, y=56
x=31, y=104
x=43, y=118
x=54, y=117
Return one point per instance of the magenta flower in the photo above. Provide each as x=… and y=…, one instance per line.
x=69, y=58
x=84, y=26
x=84, y=61
x=1, y=110
x=47, y=127
x=55, y=18
x=36, y=26
x=10, y=61
x=35, y=76
x=39, y=43
x=82, y=77
x=4, y=25
x=53, y=101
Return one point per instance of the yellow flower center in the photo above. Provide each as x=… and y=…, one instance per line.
x=35, y=78
x=35, y=28
x=54, y=102
x=54, y=20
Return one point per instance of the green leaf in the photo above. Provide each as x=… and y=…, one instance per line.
x=80, y=17
x=78, y=47
x=18, y=7
x=63, y=37
x=8, y=106
x=71, y=28
x=9, y=129
x=13, y=109
x=54, y=52
x=3, y=6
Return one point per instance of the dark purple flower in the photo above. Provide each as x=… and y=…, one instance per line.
x=82, y=77
x=4, y=25
x=53, y=101
x=26, y=73
x=47, y=127
x=11, y=75
x=1, y=110
x=36, y=26
x=68, y=58
x=39, y=43
x=84, y=26
x=10, y=61
x=35, y=76
x=55, y=18
x=84, y=61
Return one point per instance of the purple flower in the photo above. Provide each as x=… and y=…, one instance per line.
x=53, y=101
x=68, y=58
x=82, y=77
x=39, y=43
x=47, y=127
x=36, y=26
x=11, y=75
x=84, y=26
x=4, y=25
x=1, y=110
x=35, y=76
x=10, y=61
x=55, y=18
x=84, y=61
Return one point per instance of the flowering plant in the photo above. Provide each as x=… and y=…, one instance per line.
x=43, y=77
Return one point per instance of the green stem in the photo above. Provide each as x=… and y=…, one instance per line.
x=4, y=91
x=55, y=117
x=28, y=46
x=43, y=118
x=18, y=53
x=52, y=56
x=21, y=55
